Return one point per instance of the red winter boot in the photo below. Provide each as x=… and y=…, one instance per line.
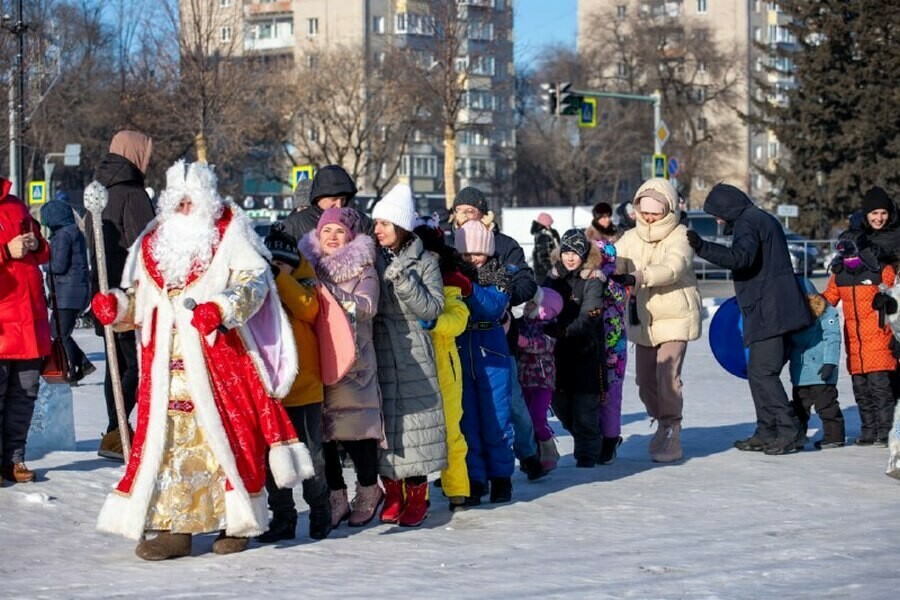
x=416, y=505
x=393, y=500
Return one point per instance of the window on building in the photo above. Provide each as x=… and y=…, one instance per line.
x=757, y=5
x=312, y=27
x=773, y=33
x=622, y=69
x=702, y=67
x=757, y=34
x=621, y=11
x=477, y=168
x=225, y=34
x=311, y=61
x=699, y=183
x=418, y=166
x=378, y=57
x=484, y=65
x=481, y=31
x=265, y=31
x=500, y=4
x=480, y=100
x=312, y=134
x=773, y=149
x=377, y=24
x=224, y=3
x=702, y=124
x=701, y=6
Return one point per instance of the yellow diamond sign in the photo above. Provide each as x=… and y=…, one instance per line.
x=662, y=133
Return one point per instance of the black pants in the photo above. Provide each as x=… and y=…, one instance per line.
x=875, y=400
x=579, y=414
x=307, y=420
x=19, y=383
x=824, y=398
x=775, y=418
x=365, y=458
x=67, y=318
x=126, y=351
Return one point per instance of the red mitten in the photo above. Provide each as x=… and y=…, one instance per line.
x=105, y=307
x=459, y=280
x=206, y=318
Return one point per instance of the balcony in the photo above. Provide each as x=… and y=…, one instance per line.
x=268, y=8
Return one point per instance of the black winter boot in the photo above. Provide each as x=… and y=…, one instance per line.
x=608, y=449
x=533, y=468
x=280, y=528
x=501, y=489
x=476, y=491
x=320, y=521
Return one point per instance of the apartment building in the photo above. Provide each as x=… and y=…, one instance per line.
x=736, y=26
x=296, y=30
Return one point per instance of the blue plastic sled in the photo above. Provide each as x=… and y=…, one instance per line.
x=726, y=338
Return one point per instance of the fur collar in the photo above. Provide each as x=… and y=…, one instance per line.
x=593, y=263
x=345, y=264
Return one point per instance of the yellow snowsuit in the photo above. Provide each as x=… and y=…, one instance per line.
x=451, y=323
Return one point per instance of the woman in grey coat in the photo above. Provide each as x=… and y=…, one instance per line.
x=412, y=298
x=345, y=263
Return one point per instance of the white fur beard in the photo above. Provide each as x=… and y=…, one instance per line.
x=182, y=243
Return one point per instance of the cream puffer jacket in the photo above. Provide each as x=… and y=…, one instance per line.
x=668, y=301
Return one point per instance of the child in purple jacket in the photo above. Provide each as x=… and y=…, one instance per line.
x=614, y=298
x=537, y=368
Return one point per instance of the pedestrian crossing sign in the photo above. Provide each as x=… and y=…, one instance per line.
x=37, y=192
x=300, y=173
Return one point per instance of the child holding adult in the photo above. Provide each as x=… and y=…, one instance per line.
x=412, y=292
x=537, y=368
x=344, y=262
x=484, y=352
x=815, y=352
x=450, y=325
x=580, y=348
x=296, y=284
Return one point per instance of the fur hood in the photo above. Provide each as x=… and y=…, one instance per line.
x=593, y=263
x=345, y=264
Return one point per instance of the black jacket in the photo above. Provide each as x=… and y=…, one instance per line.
x=68, y=256
x=886, y=240
x=771, y=301
x=127, y=213
x=579, y=355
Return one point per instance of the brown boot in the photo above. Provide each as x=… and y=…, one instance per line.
x=366, y=502
x=111, y=446
x=17, y=472
x=226, y=544
x=658, y=439
x=164, y=546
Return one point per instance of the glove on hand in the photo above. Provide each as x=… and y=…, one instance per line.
x=625, y=279
x=694, y=239
x=827, y=371
x=459, y=280
x=428, y=325
x=886, y=302
x=105, y=307
x=206, y=318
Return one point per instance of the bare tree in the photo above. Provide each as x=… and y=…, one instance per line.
x=652, y=49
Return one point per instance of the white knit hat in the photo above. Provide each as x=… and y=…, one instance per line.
x=397, y=207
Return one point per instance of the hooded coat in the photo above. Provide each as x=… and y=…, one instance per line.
x=330, y=180
x=68, y=256
x=817, y=345
x=127, y=213
x=24, y=324
x=545, y=242
x=767, y=292
x=352, y=408
x=886, y=239
x=668, y=300
x=412, y=291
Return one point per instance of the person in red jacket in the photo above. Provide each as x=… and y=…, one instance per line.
x=24, y=329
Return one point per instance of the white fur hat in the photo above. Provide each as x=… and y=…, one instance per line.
x=397, y=207
x=196, y=180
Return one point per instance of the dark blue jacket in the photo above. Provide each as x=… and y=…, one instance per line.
x=68, y=256
x=768, y=294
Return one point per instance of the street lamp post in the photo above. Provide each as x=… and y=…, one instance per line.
x=17, y=101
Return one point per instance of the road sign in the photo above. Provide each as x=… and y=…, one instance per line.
x=72, y=157
x=37, y=192
x=662, y=133
x=659, y=166
x=588, y=115
x=299, y=173
x=673, y=167
x=788, y=210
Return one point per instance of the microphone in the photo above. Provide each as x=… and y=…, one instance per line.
x=191, y=304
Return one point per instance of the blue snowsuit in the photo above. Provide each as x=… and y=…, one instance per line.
x=484, y=354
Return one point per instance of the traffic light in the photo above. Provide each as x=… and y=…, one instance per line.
x=548, y=98
x=569, y=102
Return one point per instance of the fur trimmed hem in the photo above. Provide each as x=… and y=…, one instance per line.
x=290, y=464
x=119, y=517
x=245, y=516
x=123, y=304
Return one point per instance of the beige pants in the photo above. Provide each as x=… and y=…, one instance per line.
x=658, y=378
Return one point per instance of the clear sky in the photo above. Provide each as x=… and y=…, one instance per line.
x=539, y=23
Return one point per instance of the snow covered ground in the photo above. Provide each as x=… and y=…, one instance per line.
x=719, y=524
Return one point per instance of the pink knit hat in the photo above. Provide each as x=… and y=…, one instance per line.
x=548, y=304
x=474, y=238
x=345, y=217
x=545, y=220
